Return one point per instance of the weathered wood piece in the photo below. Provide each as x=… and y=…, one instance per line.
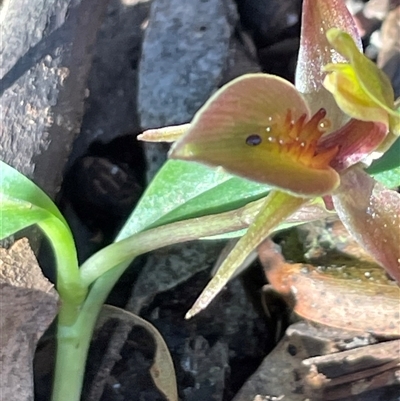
x=28, y=304
x=321, y=363
x=45, y=56
x=355, y=371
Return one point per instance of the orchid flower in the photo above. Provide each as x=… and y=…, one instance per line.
x=307, y=140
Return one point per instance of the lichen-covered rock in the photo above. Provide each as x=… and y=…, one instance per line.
x=46, y=52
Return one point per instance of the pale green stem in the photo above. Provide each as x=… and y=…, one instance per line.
x=73, y=341
x=182, y=231
x=69, y=284
x=106, y=266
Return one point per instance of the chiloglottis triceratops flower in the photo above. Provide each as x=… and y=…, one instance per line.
x=306, y=140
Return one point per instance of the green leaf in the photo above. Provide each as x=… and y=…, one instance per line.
x=389, y=161
x=22, y=204
x=183, y=190
x=389, y=178
x=17, y=215
x=15, y=185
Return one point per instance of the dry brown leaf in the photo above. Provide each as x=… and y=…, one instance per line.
x=334, y=296
x=162, y=370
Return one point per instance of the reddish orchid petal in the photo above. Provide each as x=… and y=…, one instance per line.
x=357, y=139
x=259, y=127
x=315, y=50
x=339, y=297
x=371, y=213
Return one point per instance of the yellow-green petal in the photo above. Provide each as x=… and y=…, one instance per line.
x=360, y=86
x=350, y=96
x=277, y=208
x=392, y=135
